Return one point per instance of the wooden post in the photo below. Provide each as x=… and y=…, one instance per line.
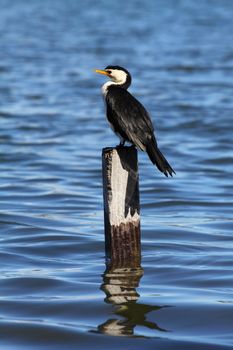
x=121, y=203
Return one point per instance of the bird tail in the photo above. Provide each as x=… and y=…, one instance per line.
x=159, y=160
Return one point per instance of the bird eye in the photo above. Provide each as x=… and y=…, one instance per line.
x=109, y=71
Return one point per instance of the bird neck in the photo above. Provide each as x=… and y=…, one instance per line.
x=106, y=86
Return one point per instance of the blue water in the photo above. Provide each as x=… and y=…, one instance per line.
x=52, y=129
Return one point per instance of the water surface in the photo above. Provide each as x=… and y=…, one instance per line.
x=54, y=282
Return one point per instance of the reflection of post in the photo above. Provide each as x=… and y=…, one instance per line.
x=119, y=284
x=121, y=202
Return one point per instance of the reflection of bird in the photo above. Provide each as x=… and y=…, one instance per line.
x=120, y=283
x=128, y=118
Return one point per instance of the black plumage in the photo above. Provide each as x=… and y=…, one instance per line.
x=129, y=119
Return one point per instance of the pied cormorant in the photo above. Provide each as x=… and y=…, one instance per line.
x=128, y=118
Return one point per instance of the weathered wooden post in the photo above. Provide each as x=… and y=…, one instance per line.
x=121, y=204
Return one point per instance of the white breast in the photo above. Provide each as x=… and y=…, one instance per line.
x=105, y=87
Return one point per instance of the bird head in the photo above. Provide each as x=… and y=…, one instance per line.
x=119, y=76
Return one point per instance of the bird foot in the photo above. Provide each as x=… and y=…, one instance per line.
x=121, y=144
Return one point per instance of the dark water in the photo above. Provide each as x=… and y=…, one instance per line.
x=52, y=287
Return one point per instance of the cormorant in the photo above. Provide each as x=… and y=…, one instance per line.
x=128, y=118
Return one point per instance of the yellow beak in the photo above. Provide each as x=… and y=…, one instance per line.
x=101, y=72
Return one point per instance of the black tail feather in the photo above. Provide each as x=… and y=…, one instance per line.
x=159, y=160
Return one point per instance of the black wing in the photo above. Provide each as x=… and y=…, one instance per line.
x=131, y=120
x=128, y=117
